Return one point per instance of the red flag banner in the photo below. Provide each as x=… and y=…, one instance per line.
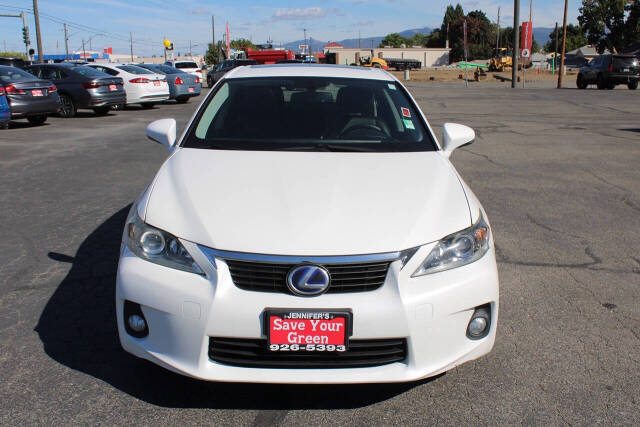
x=526, y=39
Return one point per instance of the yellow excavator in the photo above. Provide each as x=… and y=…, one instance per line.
x=500, y=60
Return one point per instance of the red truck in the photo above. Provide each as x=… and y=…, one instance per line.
x=269, y=56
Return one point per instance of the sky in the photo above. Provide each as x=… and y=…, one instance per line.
x=110, y=22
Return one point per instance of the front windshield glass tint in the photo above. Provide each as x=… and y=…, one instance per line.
x=133, y=69
x=10, y=75
x=310, y=114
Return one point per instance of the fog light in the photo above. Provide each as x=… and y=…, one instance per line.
x=480, y=322
x=136, y=323
x=477, y=326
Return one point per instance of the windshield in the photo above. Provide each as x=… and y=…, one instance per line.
x=166, y=69
x=10, y=75
x=133, y=69
x=89, y=72
x=186, y=65
x=625, y=61
x=310, y=114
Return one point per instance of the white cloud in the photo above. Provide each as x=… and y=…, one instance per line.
x=298, y=14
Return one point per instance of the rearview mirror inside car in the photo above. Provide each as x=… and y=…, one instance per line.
x=163, y=131
x=455, y=136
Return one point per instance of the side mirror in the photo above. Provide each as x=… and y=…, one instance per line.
x=455, y=136
x=163, y=131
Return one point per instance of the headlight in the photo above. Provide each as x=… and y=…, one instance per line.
x=157, y=246
x=458, y=249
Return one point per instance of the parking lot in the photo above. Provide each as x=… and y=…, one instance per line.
x=556, y=170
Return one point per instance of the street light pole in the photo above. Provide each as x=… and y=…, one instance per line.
x=516, y=42
x=66, y=41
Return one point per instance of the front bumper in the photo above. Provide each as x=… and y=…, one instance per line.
x=183, y=310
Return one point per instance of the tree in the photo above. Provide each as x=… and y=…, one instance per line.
x=506, y=39
x=393, y=40
x=611, y=24
x=575, y=39
x=13, y=55
x=240, y=43
x=211, y=57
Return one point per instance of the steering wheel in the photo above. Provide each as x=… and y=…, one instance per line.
x=366, y=130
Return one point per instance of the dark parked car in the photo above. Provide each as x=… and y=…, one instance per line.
x=28, y=96
x=182, y=86
x=13, y=62
x=224, y=67
x=82, y=87
x=607, y=71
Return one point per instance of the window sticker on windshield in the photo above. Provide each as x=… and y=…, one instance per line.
x=408, y=124
x=391, y=86
x=405, y=112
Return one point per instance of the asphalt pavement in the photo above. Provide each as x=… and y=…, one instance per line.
x=557, y=171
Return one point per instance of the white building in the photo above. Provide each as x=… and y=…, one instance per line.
x=429, y=57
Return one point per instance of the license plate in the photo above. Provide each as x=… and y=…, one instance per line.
x=37, y=92
x=308, y=330
x=156, y=83
x=113, y=87
x=625, y=70
x=191, y=89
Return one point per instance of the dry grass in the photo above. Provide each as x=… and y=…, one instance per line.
x=451, y=75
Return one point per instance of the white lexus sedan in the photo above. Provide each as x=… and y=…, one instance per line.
x=142, y=86
x=307, y=227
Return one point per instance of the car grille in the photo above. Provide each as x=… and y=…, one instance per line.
x=254, y=353
x=267, y=277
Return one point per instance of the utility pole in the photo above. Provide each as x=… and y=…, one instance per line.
x=84, y=52
x=131, y=43
x=516, y=42
x=66, y=41
x=524, y=68
x=564, y=43
x=359, y=37
x=498, y=32
x=305, y=40
x=213, y=37
x=36, y=15
x=555, y=52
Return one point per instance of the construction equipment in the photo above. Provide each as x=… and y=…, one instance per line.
x=500, y=60
x=371, y=61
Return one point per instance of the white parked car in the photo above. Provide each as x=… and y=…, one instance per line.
x=142, y=86
x=188, y=66
x=308, y=227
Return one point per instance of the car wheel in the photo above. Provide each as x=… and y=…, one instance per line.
x=600, y=82
x=209, y=82
x=37, y=120
x=117, y=107
x=148, y=105
x=376, y=65
x=4, y=126
x=580, y=82
x=633, y=85
x=182, y=99
x=67, y=107
x=102, y=111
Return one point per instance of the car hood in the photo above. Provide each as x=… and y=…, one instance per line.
x=307, y=203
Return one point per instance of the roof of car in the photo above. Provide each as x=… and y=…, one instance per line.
x=309, y=70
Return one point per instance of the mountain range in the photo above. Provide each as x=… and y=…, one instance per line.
x=540, y=34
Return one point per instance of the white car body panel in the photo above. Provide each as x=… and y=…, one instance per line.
x=156, y=90
x=307, y=204
x=300, y=203
x=196, y=71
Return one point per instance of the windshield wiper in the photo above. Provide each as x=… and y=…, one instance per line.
x=327, y=147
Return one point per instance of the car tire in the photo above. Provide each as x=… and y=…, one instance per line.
x=37, y=120
x=118, y=107
x=4, y=126
x=633, y=85
x=600, y=82
x=148, y=105
x=581, y=83
x=209, y=82
x=102, y=111
x=182, y=99
x=376, y=65
x=67, y=107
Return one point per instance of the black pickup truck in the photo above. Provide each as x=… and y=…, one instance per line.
x=403, y=64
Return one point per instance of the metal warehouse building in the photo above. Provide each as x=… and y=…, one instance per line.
x=429, y=57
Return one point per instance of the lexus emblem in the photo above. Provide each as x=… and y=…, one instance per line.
x=308, y=280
